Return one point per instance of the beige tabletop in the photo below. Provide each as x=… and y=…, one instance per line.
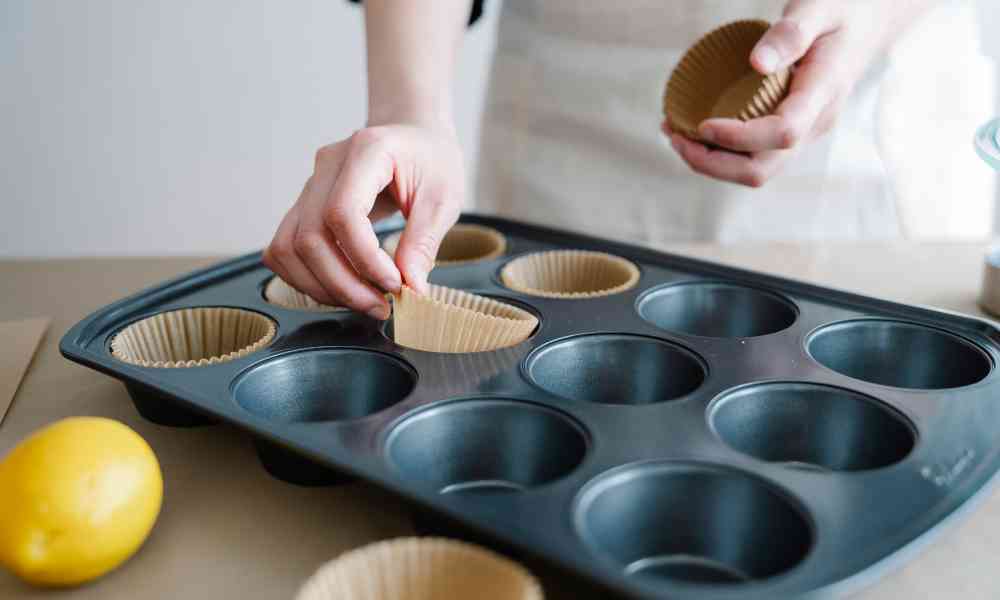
x=227, y=529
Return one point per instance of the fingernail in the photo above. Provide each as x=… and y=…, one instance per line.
x=419, y=280
x=379, y=312
x=707, y=134
x=767, y=58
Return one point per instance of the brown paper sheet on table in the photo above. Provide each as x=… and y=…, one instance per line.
x=20, y=341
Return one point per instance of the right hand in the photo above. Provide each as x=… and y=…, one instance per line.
x=326, y=247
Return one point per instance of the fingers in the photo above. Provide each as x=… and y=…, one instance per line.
x=428, y=221
x=756, y=135
x=814, y=87
x=366, y=171
x=281, y=258
x=306, y=254
x=790, y=38
x=753, y=171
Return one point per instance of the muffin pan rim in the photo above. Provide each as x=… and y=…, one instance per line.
x=399, y=361
x=892, y=412
x=977, y=347
x=648, y=295
x=393, y=430
x=624, y=473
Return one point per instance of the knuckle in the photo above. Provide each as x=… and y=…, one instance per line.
x=308, y=243
x=793, y=33
x=280, y=250
x=369, y=136
x=268, y=259
x=729, y=139
x=336, y=217
x=324, y=155
x=425, y=247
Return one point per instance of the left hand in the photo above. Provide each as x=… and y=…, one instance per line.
x=831, y=43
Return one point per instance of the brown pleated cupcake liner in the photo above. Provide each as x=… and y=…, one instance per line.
x=421, y=569
x=464, y=243
x=714, y=78
x=278, y=292
x=193, y=337
x=574, y=274
x=450, y=320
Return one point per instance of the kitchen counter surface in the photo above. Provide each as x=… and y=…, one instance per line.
x=227, y=529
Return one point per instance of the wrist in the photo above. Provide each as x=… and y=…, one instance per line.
x=432, y=115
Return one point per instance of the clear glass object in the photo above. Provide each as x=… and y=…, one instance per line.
x=988, y=143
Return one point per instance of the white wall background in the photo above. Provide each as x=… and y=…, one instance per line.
x=178, y=127
x=152, y=127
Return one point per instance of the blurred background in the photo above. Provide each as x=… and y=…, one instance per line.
x=184, y=127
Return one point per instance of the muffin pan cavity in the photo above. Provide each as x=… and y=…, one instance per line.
x=812, y=426
x=486, y=446
x=692, y=523
x=714, y=309
x=616, y=369
x=325, y=384
x=899, y=354
x=192, y=337
x=464, y=243
x=653, y=425
x=572, y=274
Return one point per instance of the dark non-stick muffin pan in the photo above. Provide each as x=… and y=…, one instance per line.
x=708, y=431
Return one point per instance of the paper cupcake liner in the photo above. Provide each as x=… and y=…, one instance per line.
x=464, y=243
x=570, y=274
x=421, y=569
x=450, y=320
x=278, y=292
x=714, y=79
x=193, y=337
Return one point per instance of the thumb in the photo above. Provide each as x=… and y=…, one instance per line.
x=790, y=38
x=428, y=221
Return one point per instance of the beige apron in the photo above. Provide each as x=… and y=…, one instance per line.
x=571, y=138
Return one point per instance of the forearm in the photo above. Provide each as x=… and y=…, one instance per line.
x=412, y=50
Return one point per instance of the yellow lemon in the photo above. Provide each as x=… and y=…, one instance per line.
x=77, y=498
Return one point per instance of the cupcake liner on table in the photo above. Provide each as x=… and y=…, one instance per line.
x=421, y=569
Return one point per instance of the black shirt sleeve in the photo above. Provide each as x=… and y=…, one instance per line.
x=474, y=15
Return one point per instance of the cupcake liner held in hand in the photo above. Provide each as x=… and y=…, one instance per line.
x=421, y=569
x=450, y=320
x=714, y=78
x=193, y=337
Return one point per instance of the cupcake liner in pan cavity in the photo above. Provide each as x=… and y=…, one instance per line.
x=702, y=431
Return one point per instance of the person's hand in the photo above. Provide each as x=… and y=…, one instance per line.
x=326, y=246
x=831, y=43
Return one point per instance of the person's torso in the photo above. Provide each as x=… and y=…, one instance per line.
x=571, y=134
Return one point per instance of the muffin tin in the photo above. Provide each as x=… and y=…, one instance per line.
x=710, y=431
